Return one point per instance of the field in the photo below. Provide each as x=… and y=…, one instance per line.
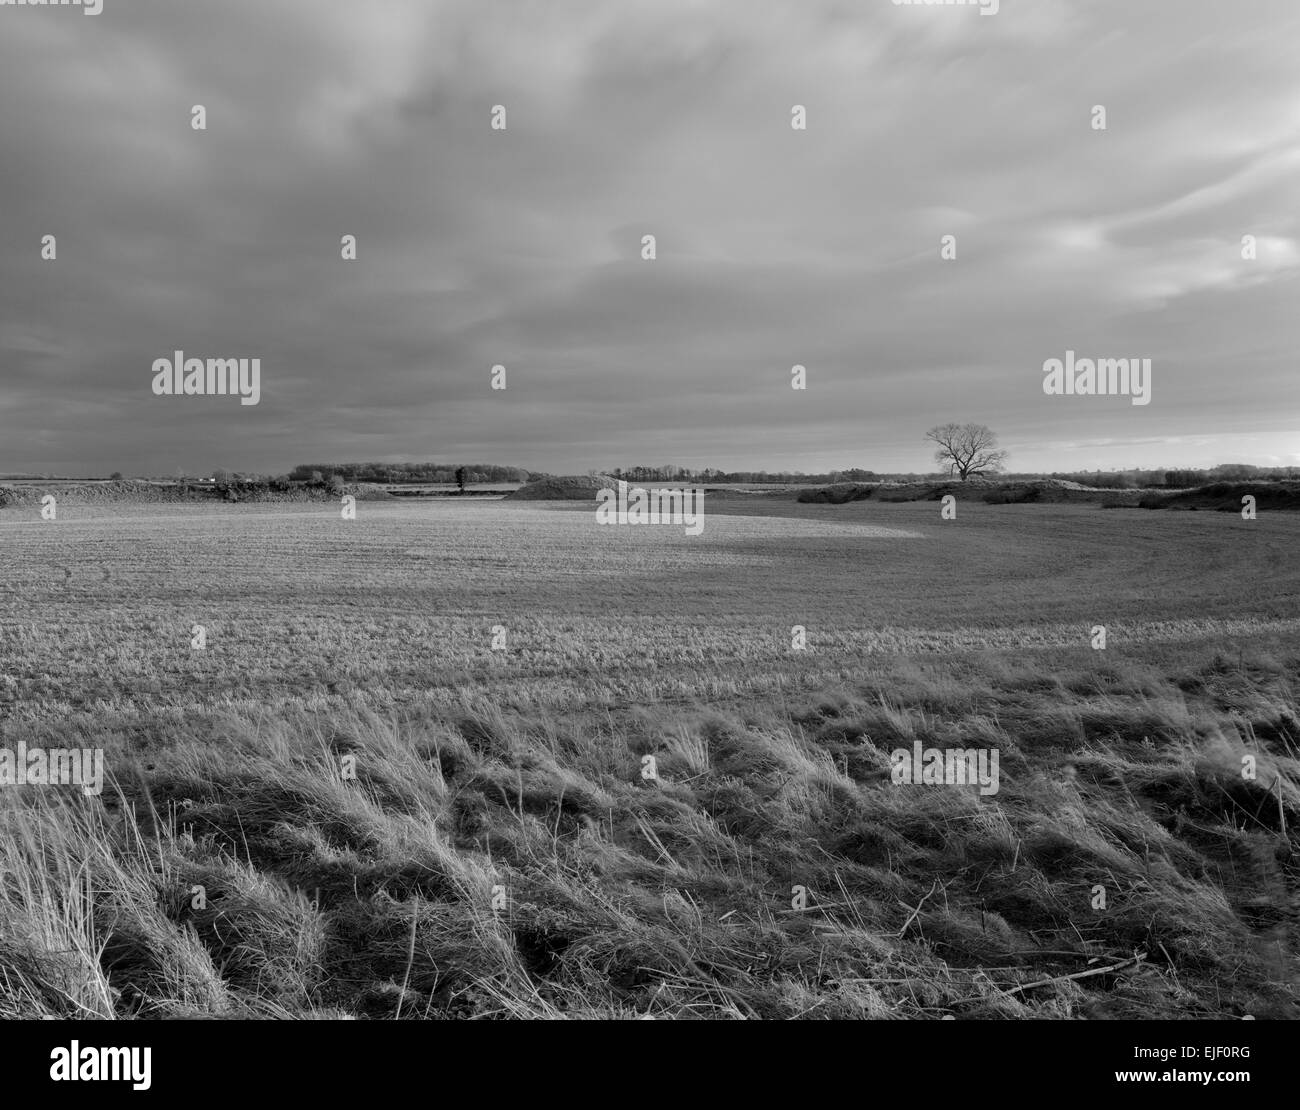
x=495, y=673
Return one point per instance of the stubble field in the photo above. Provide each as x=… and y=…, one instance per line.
x=496, y=672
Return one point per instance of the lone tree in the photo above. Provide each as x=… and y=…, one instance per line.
x=460, y=478
x=968, y=450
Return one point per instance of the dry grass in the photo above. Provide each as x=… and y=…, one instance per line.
x=623, y=897
x=500, y=854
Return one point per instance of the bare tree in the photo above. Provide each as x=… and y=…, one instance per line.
x=966, y=449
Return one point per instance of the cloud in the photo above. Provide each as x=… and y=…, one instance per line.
x=671, y=117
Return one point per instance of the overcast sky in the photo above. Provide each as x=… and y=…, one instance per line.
x=626, y=118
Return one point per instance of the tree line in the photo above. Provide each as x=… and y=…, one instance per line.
x=441, y=473
x=963, y=451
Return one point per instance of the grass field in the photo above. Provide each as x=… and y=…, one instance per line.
x=497, y=671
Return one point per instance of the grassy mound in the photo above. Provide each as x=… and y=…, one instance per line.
x=1225, y=497
x=132, y=491
x=839, y=494
x=578, y=487
x=27, y=494
x=991, y=491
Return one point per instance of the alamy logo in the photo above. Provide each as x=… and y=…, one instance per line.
x=651, y=506
x=114, y=1065
x=1105, y=377
x=89, y=7
x=987, y=7
x=26, y=766
x=946, y=767
x=218, y=377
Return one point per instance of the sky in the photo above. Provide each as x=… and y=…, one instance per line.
x=523, y=247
